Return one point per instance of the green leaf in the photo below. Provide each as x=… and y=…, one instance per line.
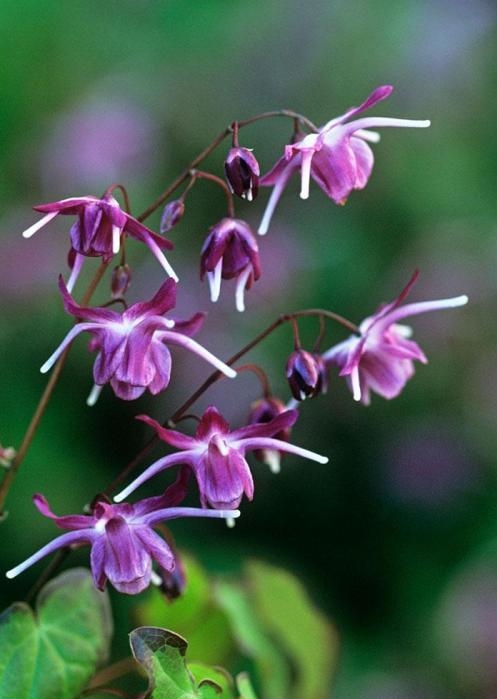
x=162, y=654
x=253, y=640
x=307, y=637
x=182, y=615
x=54, y=651
x=208, y=678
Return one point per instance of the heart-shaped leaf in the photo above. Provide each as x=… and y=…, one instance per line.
x=55, y=650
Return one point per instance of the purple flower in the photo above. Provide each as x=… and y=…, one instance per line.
x=98, y=229
x=306, y=374
x=264, y=410
x=380, y=359
x=230, y=251
x=217, y=455
x=123, y=543
x=242, y=172
x=337, y=157
x=132, y=354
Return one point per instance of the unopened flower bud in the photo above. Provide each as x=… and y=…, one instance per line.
x=172, y=214
x=173, y=582
x=306, y=374
x=7, y=455
x=242, y=172
x=121, y=278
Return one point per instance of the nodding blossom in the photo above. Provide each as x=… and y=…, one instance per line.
x=123, y=542
x=216, y=455
x=230, y=251
x=381, y=358
x=306, y=374
x=242, y=172
x=98, y=230
x=131, y=346
x=337, y=157
x=264, y=410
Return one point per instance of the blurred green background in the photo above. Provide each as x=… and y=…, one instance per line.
x=396, y=539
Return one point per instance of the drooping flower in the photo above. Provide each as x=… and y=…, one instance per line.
x=381, y=358
x=242, y=172
x=123, y=542
x=216, y=455
x=264, y=410
x=337, y=157
x=131, y=346
x=98, y=230
x=230, y=251
x=306, y=374
x=172, y=214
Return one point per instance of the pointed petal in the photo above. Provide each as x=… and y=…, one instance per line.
x=66, y=521
x=281, y=422
x=193, y=346
x=158, y=466
x=172, y=437
x=81, y=536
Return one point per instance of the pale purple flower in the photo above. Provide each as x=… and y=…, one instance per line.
x=123, y=542
x=381, y=358
x=230, y=251
x=132, y=351
x=216, y=455
x=98, y=230
x=337, y=157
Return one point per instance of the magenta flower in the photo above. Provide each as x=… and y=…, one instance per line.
x=230, y=251
x=98, y=230
x=132, y=354
x=123, y=543
x=381, y=358
x=337, y=157
x=217, y=456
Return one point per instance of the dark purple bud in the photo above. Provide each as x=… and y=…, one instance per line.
x=172, y=214
x=242, y=172
x=173, y=582
x=306, y=374
x=121, y=278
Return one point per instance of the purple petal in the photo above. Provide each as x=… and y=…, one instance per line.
x=212, y=422
x=172, y=437
x=66, y=206
x=183, y=457
x=189, y=327
x=127, y=564
x=66, y=521
x=364, y=161
x=81, y=536
x=163, y=301
x=266, y=429
x=97, y=315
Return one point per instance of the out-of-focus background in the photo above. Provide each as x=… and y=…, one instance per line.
x=395, y=539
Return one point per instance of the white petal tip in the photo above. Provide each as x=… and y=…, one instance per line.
x=44, y=368
x=11, y=574
x=230, y=522
x=304, y=195
x=120, y=496
x=230, y=373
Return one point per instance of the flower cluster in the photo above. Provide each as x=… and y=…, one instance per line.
x=133, y=355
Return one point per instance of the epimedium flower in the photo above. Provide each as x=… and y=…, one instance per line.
x=230, y=251
x=337, y=157
x=306, y=374
x=216, y=455
x=98, y=230
x=381, y=358
x=264, y=410
x=123, y=542
x=242, y=172
x=132, y=352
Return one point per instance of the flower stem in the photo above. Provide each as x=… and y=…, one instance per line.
x=216, y=375
x=186, y=173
